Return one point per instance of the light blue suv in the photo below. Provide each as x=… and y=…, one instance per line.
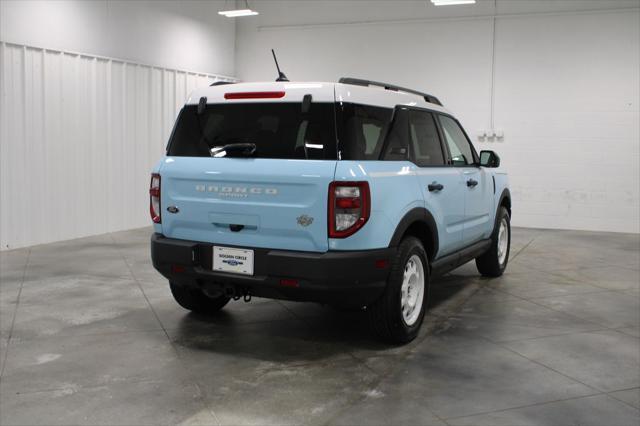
x=354, y=194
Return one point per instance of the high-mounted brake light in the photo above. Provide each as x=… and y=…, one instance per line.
x=254, y=95
x=349, y=207
x=154, y=198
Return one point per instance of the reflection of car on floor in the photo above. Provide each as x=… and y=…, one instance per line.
x=350, y=194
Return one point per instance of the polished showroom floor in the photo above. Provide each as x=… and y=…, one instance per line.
x=91, y=335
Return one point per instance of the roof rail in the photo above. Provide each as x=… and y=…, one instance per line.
x=359, y=82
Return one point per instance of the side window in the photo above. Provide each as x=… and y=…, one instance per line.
x=397, y=144
x=425, y=148
x=459, y=146
x=372, y=132
x=361, y=130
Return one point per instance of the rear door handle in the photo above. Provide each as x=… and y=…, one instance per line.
x=471, y=183
x=435, y=187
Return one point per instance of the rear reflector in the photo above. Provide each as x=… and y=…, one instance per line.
x=289, y=282
x=177, y=269
x=382, y=264
x=254, y=95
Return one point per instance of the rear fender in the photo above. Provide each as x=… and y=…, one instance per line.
x=395, y=191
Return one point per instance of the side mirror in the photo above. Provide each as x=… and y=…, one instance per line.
x=489, y=159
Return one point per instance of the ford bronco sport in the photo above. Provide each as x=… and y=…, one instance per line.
x=352, y=194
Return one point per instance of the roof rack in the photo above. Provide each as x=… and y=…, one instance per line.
x=359, y=82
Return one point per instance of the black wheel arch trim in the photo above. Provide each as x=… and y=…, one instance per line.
x=417, y=214
x=505, y=194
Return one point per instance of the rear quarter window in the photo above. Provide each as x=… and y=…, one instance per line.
x=362, y=130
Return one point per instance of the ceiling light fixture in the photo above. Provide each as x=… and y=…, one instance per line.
x=234, y=13
x=451, y=2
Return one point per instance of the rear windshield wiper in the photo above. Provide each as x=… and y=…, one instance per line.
x=234, y=150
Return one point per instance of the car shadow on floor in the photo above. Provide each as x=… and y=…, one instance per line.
x=307, y=332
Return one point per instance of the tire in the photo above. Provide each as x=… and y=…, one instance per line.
x=386, y=314
x=195, y=300
x=494, y=261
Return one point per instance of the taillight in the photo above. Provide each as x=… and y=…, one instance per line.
x=349, y=207
x=154, y=198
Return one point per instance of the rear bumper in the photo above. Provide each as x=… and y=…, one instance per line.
x=335, y=277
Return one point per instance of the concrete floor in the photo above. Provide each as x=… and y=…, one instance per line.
x=91, y=335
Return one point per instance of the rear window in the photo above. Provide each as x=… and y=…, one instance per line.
x=278, y=130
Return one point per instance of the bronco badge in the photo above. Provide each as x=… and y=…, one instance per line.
x=304, y=220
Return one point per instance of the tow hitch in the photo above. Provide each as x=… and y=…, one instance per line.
x=237, y=294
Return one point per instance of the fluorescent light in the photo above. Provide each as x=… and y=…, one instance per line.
x=238, y=12
x=451, y=2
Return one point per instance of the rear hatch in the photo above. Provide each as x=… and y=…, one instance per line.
x=266, y=184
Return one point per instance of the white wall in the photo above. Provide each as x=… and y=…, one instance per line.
x=79, y=134
x=185, y=34
x=563, y=75
x=567, y=95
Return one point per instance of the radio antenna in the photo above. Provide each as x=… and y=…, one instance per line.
x=281, y=76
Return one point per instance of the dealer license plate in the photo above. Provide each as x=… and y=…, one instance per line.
x=237, y=261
